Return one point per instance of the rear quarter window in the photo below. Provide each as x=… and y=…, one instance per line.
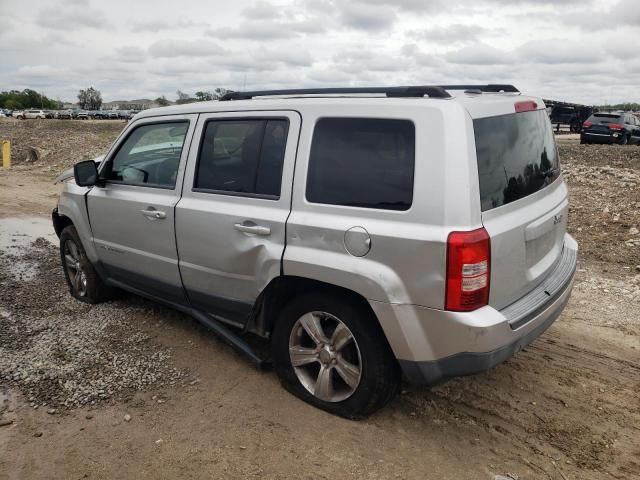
x=362, y=162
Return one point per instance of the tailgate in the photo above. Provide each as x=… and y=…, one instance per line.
x=524, y=201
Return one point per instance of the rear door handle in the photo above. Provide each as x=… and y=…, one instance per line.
x=255, y=229
x=154, y=214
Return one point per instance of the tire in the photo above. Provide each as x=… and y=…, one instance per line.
x=624, y=140
x=378, y=377
x=83, y=280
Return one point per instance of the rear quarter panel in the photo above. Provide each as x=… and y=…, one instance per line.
x=406, y=263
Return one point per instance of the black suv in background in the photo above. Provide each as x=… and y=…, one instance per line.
x=622, y=128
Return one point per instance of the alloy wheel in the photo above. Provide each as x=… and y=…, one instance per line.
x=325, y=356
x=73, y=264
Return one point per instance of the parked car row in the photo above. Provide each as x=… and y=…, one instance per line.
x=69, y=114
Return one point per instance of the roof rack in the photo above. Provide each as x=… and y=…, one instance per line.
x=490, y=88
x=432, y=91
x=409, y=91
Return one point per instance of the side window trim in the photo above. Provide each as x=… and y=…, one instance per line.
x=120, y=143
x=263, y=118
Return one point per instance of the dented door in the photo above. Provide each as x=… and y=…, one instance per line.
x=230, y=229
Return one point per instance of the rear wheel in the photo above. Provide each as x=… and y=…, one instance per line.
x=83, y=280
x=624, y=140
x=330, y=351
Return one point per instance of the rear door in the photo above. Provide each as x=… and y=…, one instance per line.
x=230, y=221
x=132, y=215
x=523, y=198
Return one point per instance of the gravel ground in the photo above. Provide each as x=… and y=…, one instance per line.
x=604, y=215
x=54, y=145
x=63, y=354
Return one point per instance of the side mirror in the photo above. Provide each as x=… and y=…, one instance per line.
x=86, y=173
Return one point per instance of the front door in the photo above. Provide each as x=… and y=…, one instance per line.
x=132, y=214
x=230, y=221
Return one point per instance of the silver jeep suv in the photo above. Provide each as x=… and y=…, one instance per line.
x=366, y=233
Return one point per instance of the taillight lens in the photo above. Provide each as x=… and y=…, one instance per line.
x=615, y=126
x=587, y=124
x=468, y=270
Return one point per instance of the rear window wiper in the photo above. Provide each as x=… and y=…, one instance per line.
x=548, y=173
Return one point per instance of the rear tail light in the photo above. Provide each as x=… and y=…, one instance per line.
x=615, y=126
x=468, y=270
x=587, y=124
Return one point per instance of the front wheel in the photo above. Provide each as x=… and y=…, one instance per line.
x=83, y=280
x=330, y=351
x=624, y=140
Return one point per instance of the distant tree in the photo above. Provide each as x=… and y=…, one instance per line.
x=162, y=101
x=204, y=96
x=27, y=98
x=184, y=98
x=215, y=95
x=90, y=99
x=220, y=92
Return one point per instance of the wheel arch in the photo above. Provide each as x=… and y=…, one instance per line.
x=60, y=222
x=284, y=288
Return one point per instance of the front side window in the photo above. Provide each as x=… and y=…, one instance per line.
x=362, y=162
x=149, y=156
x=243, y=156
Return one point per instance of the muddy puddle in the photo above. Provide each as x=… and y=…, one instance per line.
x=16, y=237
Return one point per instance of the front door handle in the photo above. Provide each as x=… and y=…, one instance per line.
x=154, y=214
x=255, y=229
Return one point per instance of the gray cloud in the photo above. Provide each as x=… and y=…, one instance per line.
x=456, y=33
x=553, y=51
x=262, y=10
x=131, y=54
x=367, y=17
x=480, y=54
x=129, y=50
x=71, y=15
x=168, y=48
x=160, y=24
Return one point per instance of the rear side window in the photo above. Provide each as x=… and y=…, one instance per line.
x=517, y=156
x=242, y=156
x=362, y=162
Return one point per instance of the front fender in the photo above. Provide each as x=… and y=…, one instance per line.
x=73, y=205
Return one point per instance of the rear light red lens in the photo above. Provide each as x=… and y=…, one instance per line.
x=587, y=124
x=615, y=126
x=468, y=270
x=526, y=106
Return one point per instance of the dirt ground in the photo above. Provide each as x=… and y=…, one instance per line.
x=130, y=389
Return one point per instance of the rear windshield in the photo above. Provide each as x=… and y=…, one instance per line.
x=604, y=118
x=517, y=156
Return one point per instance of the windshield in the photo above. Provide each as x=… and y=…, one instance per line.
x=517, y=156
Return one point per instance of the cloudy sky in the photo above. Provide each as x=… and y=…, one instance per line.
x=584, y=51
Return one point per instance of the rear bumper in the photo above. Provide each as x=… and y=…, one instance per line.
x=432, y=345
x=601, y=137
